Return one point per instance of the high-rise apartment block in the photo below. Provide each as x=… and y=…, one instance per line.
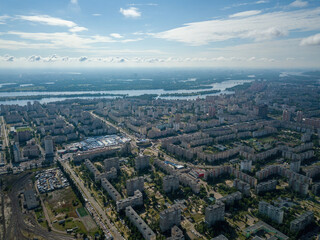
x=214, y=213
x=301, y=222
x=170, y=183
x=110, y=163
x=143, y=228
x=274, y=213
x=134, y=184
x=142, y=162
x=170, y=217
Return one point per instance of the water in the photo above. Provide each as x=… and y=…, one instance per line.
x=215, y=86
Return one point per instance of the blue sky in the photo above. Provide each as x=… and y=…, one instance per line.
x=166, y=33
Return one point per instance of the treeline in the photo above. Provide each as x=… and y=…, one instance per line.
x=39, y=97
x=72, y=184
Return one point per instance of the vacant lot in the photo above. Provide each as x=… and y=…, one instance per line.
x=62, y=207
x=61, y=203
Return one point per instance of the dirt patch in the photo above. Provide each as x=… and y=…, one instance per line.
x=88, y=223
x=62, y=202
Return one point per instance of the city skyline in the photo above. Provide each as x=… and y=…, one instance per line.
x=218, y=34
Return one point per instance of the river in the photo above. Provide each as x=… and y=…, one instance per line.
x=215, y=86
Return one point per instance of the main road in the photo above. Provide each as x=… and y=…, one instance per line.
x=114, y=231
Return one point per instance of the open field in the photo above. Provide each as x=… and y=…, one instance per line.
x=62, y=207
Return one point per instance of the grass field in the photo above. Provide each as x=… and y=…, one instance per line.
x=82, y=212
x=64, y=204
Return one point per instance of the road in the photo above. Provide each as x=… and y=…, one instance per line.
x=46, y=212
x=132, y=137
x=5, y=138
x=4, y=132
x=114, y=231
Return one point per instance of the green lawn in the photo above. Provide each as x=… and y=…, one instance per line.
x=82, y=211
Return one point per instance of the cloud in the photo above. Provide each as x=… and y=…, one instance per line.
x=3, y=18
x=131, y=12
x=96, y=14
x=83, y=59
x=63, y=39
x=258, y=27
x=52, y=58
x=116, y=35
x=299, y=4
x=74, y=1
x=59, y=40
x=143, y=4
x=261, y=2
x=78, y=29
x=52, y=21
x=8, y=58
x=312, y=40
x=245, y=14
x=34, y=58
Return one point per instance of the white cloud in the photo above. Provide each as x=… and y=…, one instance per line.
x=15, y=45
x=3, y=18
x=78, y=29
x=131, y=12
x=299, y=3
x=259, y=27
x=8, y=58
x=245, y=14
x=143, y=4
x=34, y=58
x=59, y=40
x=52, y=21
x=74, y=1
x=312, y=40
x=83, y=59
x=116, y=35
x=261, y=2
x=96, y=14
x=63, y=39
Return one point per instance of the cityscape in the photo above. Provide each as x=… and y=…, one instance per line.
x=160, y=120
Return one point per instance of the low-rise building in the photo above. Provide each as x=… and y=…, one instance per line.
x=176, y=234
x=30, y=198
x=220, y=237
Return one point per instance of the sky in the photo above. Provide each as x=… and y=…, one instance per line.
x=162, y=33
